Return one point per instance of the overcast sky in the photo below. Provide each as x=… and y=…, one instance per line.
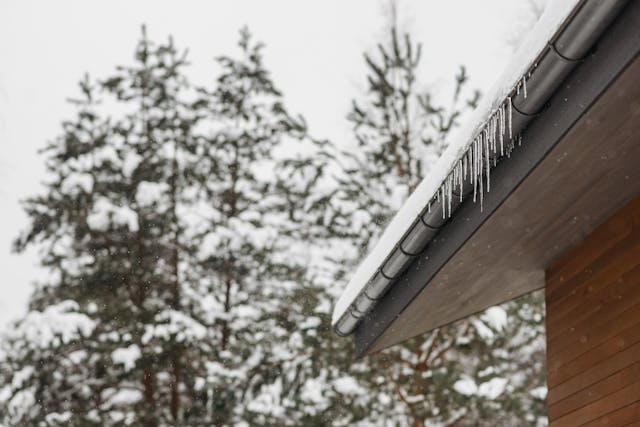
x=313, y=48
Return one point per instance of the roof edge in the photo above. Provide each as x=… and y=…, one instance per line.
x=465, y=166
x=619, y=48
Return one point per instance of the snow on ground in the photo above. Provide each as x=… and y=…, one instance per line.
x=552, y=19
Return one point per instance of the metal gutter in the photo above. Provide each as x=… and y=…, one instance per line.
x=565, y=51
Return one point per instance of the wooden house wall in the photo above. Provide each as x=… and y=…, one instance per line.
x=593, y=327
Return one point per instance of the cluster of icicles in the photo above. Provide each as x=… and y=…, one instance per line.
x=485, y=149
x=495, y=140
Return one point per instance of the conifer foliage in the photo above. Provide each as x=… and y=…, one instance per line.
x=168, y=226
x=399, y=130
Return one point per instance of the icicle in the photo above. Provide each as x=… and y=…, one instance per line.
x=480, y=163
x=496, y=122
x=470, y=162
x=502, y=130
x=449, y=193
x=510, y=107
x=473, y=169
x=497, y=137
x=504, y=118
x=495, y=142
x=445, y=202
x=494, y=134
x=476, y=162
x=492, y=127
x=460, y=178
x=455, y=171
x=489, y=129
x=464, y=165
x=488, y=166
x=498, y=127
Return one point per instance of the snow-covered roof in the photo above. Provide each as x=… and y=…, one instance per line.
x=513, y=78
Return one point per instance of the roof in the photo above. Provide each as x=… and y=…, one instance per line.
x=561, y=38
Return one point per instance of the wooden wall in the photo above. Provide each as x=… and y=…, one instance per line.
x=593, y=327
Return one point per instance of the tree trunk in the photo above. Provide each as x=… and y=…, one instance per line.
x=175, y=352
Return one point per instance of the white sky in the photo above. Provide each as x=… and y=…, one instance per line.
x=313, y=49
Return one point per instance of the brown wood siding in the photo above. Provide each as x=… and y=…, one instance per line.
x=593, y=327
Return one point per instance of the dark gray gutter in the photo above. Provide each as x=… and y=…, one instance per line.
x=565, y=51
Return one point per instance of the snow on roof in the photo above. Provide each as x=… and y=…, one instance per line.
x=523, y=61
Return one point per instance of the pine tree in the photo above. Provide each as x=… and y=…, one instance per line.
x=261, y=170
x=110, y=231
x=175, y=227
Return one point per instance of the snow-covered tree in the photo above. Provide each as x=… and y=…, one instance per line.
x=261, y=171
x=111, y=233
x=175, y=226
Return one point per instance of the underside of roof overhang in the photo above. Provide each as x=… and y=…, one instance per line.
x=578, y=163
